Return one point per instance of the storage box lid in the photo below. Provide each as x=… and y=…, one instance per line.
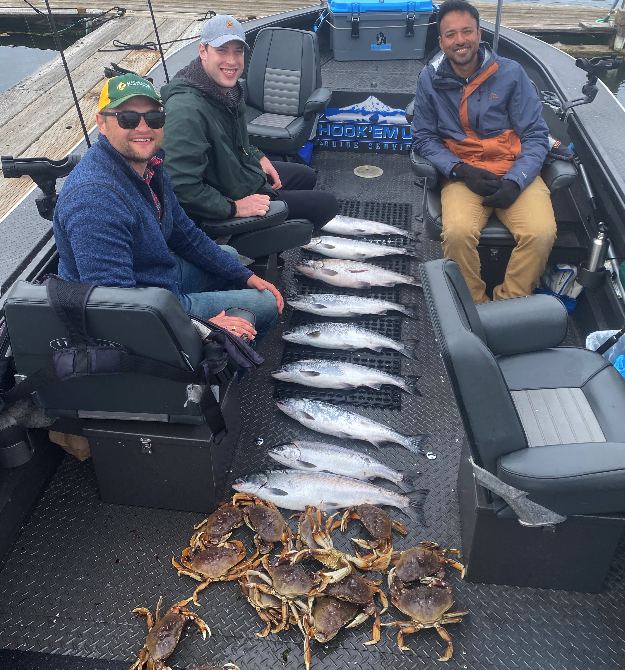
x=344, y=6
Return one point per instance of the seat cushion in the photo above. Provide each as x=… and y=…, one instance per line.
x=565, y=467
x=570, y=478
x=494, y=232
x=556, y=416
x=568, y=367
x=273, y=126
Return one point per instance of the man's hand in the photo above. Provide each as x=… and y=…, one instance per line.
x=271, y=172
x=262, y=285
x=482, y=182
x=505, y=196
x=237, y=326
x=252, y=205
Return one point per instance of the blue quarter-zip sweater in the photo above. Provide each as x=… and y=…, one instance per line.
x=108, y=233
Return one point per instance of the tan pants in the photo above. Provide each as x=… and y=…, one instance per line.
x=530, y=220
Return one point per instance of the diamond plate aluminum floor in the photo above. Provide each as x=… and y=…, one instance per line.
x=81, y=566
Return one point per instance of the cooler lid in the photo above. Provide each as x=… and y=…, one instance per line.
x=344, y=6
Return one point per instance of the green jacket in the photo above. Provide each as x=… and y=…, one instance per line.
x=208, y=154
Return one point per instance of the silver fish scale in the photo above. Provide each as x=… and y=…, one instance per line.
x=348, y=273
x=344, y=304
x=346, y=225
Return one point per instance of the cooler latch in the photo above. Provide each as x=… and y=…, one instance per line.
x=355, y=23
x=410, y=17
x=410, y=25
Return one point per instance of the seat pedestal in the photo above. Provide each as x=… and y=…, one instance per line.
x=572, y=556
x=164, y=465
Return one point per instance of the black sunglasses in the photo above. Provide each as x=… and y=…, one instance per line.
x=130, y=120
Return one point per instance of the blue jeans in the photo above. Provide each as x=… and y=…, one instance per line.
x=206, y=295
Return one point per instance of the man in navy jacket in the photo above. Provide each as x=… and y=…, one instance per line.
x=117, y=221
x=477, y=117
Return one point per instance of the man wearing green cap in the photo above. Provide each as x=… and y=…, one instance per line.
x=117, y=221
x=215, y=172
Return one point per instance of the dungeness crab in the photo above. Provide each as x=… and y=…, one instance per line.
x=380, y=525
x=266, y=521
x=214, y=563
x=219, y=525
x=164, y=634
x=427, y=607
x=426, y=560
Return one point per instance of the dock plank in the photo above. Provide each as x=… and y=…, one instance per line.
x=66, y=132
x=532, y=18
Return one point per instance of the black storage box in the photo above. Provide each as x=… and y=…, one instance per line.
x=161, y=465
x=149, y=322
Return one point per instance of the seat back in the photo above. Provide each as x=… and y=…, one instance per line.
x=284, y=70
x=149, y=322
x=490, y=419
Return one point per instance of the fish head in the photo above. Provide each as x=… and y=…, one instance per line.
x=290, y=335
x=314, y=241
x=294, y=407
x=282, y=373
x=250, y=483
x=286, y=454
x=308, y=268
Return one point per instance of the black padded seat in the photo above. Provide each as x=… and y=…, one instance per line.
x=543, y=418
x=284, y=93
x=556, y=173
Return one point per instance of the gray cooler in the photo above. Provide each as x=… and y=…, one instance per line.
x=379, y=30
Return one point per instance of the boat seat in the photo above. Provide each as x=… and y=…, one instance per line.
x=258, y=236
x=543, y=418
x=556, y=174
x=148, y=322
x=284, y=93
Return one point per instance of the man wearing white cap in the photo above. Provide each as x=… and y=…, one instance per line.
x=215, y=172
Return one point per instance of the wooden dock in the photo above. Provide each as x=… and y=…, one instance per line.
x=37, y=116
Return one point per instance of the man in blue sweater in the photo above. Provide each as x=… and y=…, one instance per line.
x=117, y=221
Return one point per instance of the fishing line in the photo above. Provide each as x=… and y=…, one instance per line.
x=158, y=39
x=69, y=78
x=152, y=46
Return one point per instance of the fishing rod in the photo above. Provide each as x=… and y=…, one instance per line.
x=158, y=40
x=57, y=41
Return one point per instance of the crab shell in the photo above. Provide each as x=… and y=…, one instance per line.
x=267, y=522
x=417, y=563
x=165, y=635
x=353, y=589
x=291, y=580
x=263, y=600
x=305, y=531
x=221, y=522
x=329, y=615
x=214, y=561
x=425, y=604
x=376, y=521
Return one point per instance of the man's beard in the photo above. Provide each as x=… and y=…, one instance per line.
x=130, y=155
x=463, y=60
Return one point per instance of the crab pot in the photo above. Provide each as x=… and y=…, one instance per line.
x=572, y=556
x=163, y=465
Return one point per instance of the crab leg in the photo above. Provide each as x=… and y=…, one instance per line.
x=450, y=647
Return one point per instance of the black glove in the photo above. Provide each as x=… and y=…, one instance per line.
x=479, y=181
x=505, y=196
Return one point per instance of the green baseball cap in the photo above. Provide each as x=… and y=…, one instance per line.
x=126, y=86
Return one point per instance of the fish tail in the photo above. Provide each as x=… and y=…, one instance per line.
x=415, y=443
x=415, y=506
x=406, y=483
x=410, y=385
x=411, y=250
x=409, y=309
x=415, y=281
x=409, y=348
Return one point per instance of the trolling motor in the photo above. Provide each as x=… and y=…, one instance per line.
x=44, y=172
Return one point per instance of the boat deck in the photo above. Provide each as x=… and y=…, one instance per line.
x=80, y=566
